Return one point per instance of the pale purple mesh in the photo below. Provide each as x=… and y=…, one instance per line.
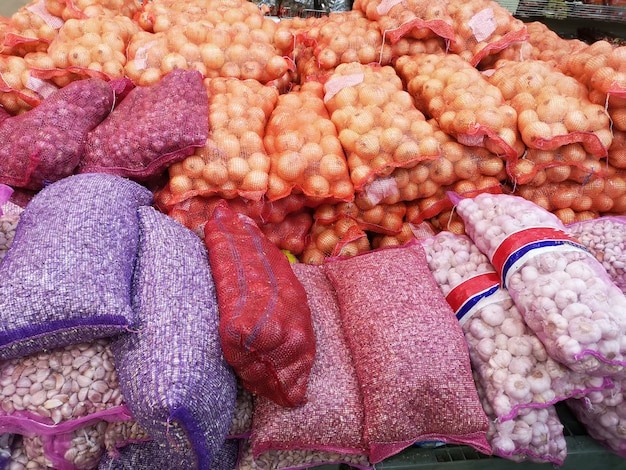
x=183, y=393
x=66, y=277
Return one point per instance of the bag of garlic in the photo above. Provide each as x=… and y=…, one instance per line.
x=563, y=293
x=510, y=362
x=605, y=238
x=332, y=418
x=266, y=331
x=183, y=395
x=393, y=312
x=603, y=416
x=144, y=455
x=46, y=143
x=534, y=435
x=66, y=277
x=151, y=128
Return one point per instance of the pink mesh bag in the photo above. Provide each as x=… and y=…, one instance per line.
x=393, y=312
x=152, y=128
x=46, y=143
x=332, y=418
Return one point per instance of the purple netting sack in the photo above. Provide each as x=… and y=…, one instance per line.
x=151, y=128
x=605, y=238
x=332, y=418
x=46, y=143
x=409, y=352
x=150, y=455
x=66, y=277
x=183, y=393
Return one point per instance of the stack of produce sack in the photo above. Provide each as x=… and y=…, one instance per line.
x=162, y=158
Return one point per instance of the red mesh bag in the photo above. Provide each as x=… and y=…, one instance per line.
x=483, y=27
x=304, y=149
x=617, y=150
x=233, y=161
x=392, y=312
x=291, y=233
x=379, y=126
x=152, y=128
x=404, y=236
x=418, y=19
x=46, y=143
x=265, y=322
x=552, y=108
x=464, y=103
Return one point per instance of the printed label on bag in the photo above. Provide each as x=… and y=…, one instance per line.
x=483, y=24
x=516, y=249
x=464, y=297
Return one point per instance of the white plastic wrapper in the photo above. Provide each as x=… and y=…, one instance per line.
x=605, y=238
x=563, y=293
x=510, y=362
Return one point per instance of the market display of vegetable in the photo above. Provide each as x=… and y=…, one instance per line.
x=331, y=138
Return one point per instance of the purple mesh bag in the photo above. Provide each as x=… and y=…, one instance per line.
x=151, y=128
x=46, y=143
x=183, y=393
x=66, y=277
x=145, y=455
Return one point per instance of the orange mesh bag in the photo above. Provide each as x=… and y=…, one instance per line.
x=342, y=237
x=565, y=199
x=346, y=37
x=90, y=47
x=569, y=162
x=234, y=161
x=617, y=150
x=305, y=152
x=457, y=164
x=448, y=220
x=542, y=44
x=31, y=28
x=418, y=19
x=552, y=108
x=393, y=312
x=79, y=9
x=483, y=27
x=377, y=218
x=20, y=91
x=600, y=66
x=404, y=236
x=379, y=127
x=423, y=209
x=464, y=103
x=265, y=322
x=290, y=234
